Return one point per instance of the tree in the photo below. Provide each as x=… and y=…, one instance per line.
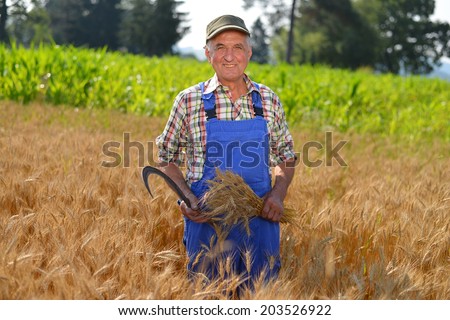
x=38, y=26
x=259, y=43
x=69, y=21
x=277, y=17
x=92, y=23
x=17, y=17
x=103, y=24
x=29, y=22
x=152, y=27
x=290, y=44
x=408, y=41
x=331, y=32
x=3, y=20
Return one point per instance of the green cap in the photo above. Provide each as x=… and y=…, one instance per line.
x=226, y=22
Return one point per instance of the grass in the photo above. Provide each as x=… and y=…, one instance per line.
x=72, y=229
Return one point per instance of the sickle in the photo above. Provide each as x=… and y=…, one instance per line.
x=148, y=170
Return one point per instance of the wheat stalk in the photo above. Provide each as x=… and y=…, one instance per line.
x=231, y=201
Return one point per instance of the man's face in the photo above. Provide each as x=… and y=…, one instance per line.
x=229, y=53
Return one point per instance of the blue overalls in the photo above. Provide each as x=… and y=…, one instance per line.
x=243, y=147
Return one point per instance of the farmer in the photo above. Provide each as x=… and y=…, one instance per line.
x=235, y=124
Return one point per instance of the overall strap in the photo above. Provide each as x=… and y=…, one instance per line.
x=257, y=103
x=209, y=101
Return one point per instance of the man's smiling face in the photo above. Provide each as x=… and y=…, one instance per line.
x=229, y=53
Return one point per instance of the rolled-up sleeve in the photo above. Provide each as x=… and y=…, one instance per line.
x=282, y=144
x=172, y=141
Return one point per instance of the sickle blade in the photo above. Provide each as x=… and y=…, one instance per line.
x=148, y=170
x=145, y=173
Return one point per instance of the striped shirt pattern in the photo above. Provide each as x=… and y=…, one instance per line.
x=183, y=140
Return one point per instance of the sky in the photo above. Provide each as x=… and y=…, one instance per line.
x=201, y=12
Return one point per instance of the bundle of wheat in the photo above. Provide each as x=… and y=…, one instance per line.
x=231, y=201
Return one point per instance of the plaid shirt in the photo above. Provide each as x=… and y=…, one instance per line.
x=184, y=137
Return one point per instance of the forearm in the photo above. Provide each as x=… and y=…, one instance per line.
x=284, y=173
x=174, y=172
x=193, y=212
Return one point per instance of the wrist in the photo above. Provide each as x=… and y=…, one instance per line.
x=279, y=192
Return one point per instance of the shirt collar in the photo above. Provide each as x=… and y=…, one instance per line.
x=213, y=83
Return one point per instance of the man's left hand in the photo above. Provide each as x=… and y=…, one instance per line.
x=272, y=208
x=273, y=200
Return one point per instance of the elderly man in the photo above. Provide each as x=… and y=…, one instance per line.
x=235, y=124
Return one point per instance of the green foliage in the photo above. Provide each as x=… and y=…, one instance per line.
x=332, y=33
x=152, y=27
x=85, y=22
x=94, y=78
x=3, y=19
x=259, y=43
x=395, y=36
x=29, y=26
x=407, y=40
x=314, y=97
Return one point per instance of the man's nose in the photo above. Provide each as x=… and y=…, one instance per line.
x=229, y=54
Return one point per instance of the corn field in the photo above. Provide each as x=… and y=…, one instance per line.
x=71, y=228
x=313, y=97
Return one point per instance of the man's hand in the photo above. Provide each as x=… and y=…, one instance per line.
x=175, y=174
x=192, y=213
x=272, y=208
x=273, y=200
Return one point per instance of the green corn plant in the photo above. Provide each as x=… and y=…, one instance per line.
x=314, y=97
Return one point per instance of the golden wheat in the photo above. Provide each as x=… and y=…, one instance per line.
x=231, y=201
x=72, y=229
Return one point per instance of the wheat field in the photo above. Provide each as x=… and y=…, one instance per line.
x=73, y=229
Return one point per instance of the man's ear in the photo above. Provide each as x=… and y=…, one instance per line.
x=207, y=54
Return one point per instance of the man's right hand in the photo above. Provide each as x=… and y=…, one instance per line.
x=192, y=213
x=175, y=174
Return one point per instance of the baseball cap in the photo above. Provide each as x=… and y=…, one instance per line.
x=225, y=22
